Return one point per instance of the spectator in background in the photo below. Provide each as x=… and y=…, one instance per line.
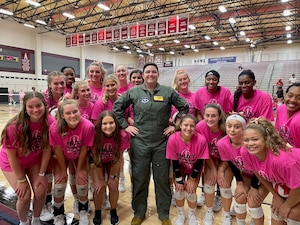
x=279, y=93
x=11, y=99
x=292, y=79
x=279, y=83
x=21, y=96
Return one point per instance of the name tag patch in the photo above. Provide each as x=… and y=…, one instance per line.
x=158, y=98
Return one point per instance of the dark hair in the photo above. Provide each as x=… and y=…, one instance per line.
x=188, y=116
x=238, y=92
x=292, y=85
x=135, y=71
x=214, y=73
x=67, y=67
x=150, y=64
x=222, y=121
x=99, y=135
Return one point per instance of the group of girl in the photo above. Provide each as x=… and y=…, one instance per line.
x=71, y=144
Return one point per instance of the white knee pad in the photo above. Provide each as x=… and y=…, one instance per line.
x=49, y=177
x=239, y=208
x=179, y=195
x=226, y=192
x=208, y=189
x=191, y=197
x=59, y=190
x=72, y=179
x=82, y=190
x=130, y=169
x=256, y=213
x=292, y=222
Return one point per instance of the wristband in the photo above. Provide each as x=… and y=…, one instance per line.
x=22, y=181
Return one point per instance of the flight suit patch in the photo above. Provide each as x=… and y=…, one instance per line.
x=158, y=98
x=145, y=100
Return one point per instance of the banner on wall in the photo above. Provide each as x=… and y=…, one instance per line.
x=144, y=29
x=25, y=61
x=222, y=60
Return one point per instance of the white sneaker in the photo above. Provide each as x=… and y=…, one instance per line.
x=208, y=219
x=122, y=187
x=192, y=219
x=201, y=200
x=217, y=206
x=226, y=220
x=84, y=218
x=46, y=214
x=105, y=203
x=75, y=206
x=180, y=219
x=59, y=220
x=9, y=103
x=35, y=222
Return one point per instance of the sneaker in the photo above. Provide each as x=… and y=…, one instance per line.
x=46, y=213
x=217, y=206
x=226, y=220
x=192, y=219
x=114, y=220
x=122, y=187
x=201, y=200
x=84, y=218
x=166, y=222
x=36, y=222
x=105, y=203
x=75, y=206
x=59, y=220
x=137, y=220
x=208, y=219
x=97, y=220
x=180, y=219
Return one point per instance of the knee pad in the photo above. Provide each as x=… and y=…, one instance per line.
x=72, y=179
x=130, y=169
x=59, y=190
x=49, y=178
x=226, y=192
x=208, y=189
x=239, y=208
x=191, y=197
x=82, y=190
x=256, y=213
x=292, y=222
x=179, y=195
x=277, y=218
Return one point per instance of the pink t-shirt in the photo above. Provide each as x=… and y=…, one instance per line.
x=211, y=138
x=289, y=128
x=230, y=153
x=34, y=157
x=260, y=105
x=72, y=142
x=122, y=90
x=99, y=107
x=283, y=169
x=67, y=90
x=109, y=145
x=203, y=97
x=187, y=153
x=96, y=93
x=22, y=94
x=86, y=112
x=190, y=99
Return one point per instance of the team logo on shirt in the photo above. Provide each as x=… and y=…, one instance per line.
x=213, y=148
x=107, y=152
x=73, y=145
x=248, y=112
x=145, y=100
x=285, y=133
x=36, y=141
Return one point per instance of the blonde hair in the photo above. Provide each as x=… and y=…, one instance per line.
x=106, y=78
x=175, y=78
x=49, y=79
x=76, y=87
x=62, y=124
x=102, y=70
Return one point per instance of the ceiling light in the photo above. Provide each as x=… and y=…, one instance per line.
x=284, y=0
x=207, y=37
x=149, y=44
x=187, y=46
x=232, y=20
x=192, y=27
x=222, y=48
x=242, y=33
x=172, y=53
x=36, y=4
x=288, y=35
x=222, y=9
x=139, y=51
x=102, y=6
x=41, y=22
x=126, y=47
x=248, y=40
x=286, y=12
x=287, y=28
x=289, y=41
x=215, y=43
x=68, y=15
x=6, y=12
x=196, y=50
x=28, y=25
x=161, y=49
x=176, y=41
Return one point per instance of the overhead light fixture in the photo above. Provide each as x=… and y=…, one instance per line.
x=149, y=44
x=161, y=49
x=102, y=6
x=232, y=20
x=34, y=3
x=176, y=41
x=192, y=27
x=196, y=50
x=126, y=47
x=6, y=12
x=286, y=12
x=215, y=43
x=289, y=41
x=187, y=46
x=222, y=9
x=41, y=22
x=288, y=28
x=29, y=25
x=68, y=15
x=284, y=0
x=242, y=33
x=206, y=37
x=172, y=53
x=222, y=48
x=288, y=35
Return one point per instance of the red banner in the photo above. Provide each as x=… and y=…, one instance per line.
x=172, y=25
x=80, y=39
x=142, y=30
x=75, y=40
x=87, y=38
x=68, y=41
x=124, y=33
x=162, y=27
x=94, y=37
x=183, y=23
x=133, y=31
x=151, y=28
x=117, y=35
x=101, y=36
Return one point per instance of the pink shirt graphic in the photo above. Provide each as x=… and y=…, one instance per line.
x=96, y=93
x=109, y=145
x=211, y=138
x=67, y=90
x=230, y=153
x=203, y=97
x=73, y=140
x=187, y=153
x=99, y=107
x=289, y=128
x=26, y=161
x=190, y=99
x=283, y=169
x=260, y=105
x=86, y=112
